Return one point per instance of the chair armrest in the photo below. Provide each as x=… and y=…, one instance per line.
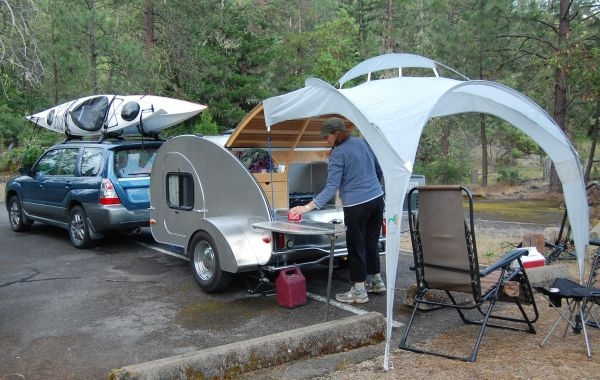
x=505, y=260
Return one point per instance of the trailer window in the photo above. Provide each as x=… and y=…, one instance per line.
x=180, y=191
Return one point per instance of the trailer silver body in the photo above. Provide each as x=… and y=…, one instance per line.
x=204, y=200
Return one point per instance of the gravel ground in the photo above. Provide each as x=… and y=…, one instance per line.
x=514, y=355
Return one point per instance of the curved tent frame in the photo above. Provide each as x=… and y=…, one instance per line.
x=391, y=114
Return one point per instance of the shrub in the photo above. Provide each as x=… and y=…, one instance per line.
x=444, y=172
x=510, y=177
x=11, y=160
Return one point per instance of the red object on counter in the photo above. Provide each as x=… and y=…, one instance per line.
x=296, y=219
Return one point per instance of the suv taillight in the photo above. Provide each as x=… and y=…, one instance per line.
x=108, y=195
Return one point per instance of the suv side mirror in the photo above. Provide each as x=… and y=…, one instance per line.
x=25, y=170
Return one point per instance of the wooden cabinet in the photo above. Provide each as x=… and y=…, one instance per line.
x=275, y=187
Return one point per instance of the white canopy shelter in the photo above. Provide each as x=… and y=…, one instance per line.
x=391, y=113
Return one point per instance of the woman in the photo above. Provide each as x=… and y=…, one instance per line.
x=355, y=172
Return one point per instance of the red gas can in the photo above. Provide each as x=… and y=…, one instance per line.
x=291, y=288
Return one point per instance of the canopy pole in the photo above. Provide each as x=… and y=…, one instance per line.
x=271, y=172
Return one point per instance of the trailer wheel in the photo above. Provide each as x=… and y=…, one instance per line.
x=204, y=261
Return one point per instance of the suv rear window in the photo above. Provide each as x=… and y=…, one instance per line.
x=134, y=162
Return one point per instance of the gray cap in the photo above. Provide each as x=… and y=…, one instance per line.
x=331, y=125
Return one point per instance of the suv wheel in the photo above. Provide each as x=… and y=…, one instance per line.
x=79, y=232
x=204, y=262
x=15, y=215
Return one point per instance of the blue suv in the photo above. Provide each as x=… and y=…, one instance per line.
x=85, y=187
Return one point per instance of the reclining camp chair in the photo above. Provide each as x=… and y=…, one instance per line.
x=446, y=259
x=581, y=301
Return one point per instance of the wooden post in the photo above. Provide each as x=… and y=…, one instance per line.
x=534, y=240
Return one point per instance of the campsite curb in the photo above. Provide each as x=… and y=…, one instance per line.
x=234, y=359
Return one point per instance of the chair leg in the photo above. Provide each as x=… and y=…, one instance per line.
x=572, y=306
x=582, y=313
x=526, y=319
x=409, y=324
x=562, y=315
x=552, y=329
x=575, y=318
x=458, y=310
x=590, y=315
x=473, y=356
x=405, y=346
x=487, y=313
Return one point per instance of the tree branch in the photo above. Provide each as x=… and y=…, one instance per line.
x=18, y=47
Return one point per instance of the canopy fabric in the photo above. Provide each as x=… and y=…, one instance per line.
x=391, y=114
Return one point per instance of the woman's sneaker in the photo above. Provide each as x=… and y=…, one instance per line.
x=375, y=287
x=353, y=296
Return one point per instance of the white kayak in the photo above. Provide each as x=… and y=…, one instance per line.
x=115, y=114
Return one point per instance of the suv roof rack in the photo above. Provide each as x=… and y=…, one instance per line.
x=110, y=137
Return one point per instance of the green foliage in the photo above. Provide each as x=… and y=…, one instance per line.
x=10, y=125
x=324, y=50
x=202, y=125
x=231, y=55
x=444, y=172
x=509, y=144
x=12, y=159
x=335, y=43
x=206, y=126
x=509, y=176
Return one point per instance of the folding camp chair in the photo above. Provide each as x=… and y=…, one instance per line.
x=445, y=255
x=580, y=301
x=594, y=282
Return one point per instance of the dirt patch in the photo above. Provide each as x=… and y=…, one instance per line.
x=512, y=354
x=516, y=355
x=532, y=189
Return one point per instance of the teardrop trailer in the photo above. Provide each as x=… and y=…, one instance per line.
x=205, y=199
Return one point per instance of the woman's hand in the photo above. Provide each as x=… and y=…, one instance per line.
x=299, y=210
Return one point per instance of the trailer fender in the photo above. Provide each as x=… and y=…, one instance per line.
x=241, y=247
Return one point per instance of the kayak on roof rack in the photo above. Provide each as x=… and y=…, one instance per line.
x=123, y=115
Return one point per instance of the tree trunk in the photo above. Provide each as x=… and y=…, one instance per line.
x=388, y=27
x=91, y=32
x=482, y=134
x=149, y=41
x=484, y=156
x=590, y=163
x=445, y=139
x=55, y=72
x=560, y=85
